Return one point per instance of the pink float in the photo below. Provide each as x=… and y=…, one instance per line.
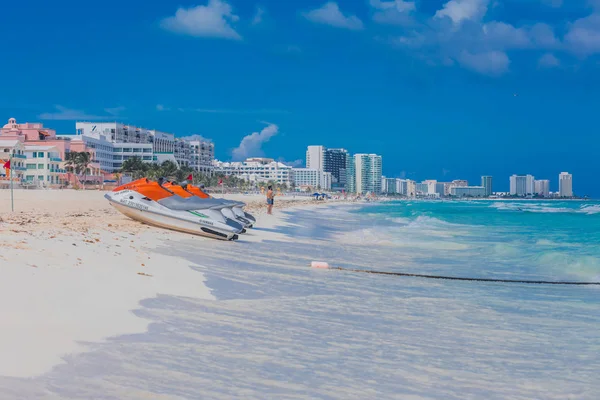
x=319, y=264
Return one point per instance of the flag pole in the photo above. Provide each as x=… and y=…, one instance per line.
x=12, y=198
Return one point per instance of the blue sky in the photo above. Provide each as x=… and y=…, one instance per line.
x=442, y=89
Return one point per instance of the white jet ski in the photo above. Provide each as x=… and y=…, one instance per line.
x=150, y=203
x=234, y=209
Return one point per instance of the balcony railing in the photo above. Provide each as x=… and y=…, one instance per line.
x=19, y=168
x=21, y=156
x=57, y=159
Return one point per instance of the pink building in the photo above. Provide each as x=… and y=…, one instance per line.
x=35, y=134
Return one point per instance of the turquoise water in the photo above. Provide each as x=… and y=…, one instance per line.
x=552, y=240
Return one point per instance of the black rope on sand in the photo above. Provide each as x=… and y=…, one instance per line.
x=455, y=278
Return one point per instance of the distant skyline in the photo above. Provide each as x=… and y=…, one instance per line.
x=442, y=89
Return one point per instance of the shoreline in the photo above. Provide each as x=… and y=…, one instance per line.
x=75, y=269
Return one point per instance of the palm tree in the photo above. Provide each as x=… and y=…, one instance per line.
x=168, y=169
x=82, y=161
x=135, y=167
x=70, y=160
x=183, y=172
x=153, y=171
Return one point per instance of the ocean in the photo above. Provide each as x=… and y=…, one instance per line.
x=551, y=240
x=280, y=330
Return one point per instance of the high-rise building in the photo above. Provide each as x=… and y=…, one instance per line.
x=411, y=188
x=335, y=163
x=388, y=185
x=522, y=185
x=486, y=182
x=315, y=157
x=565, y=184
x=367, y=173
x=350, y=175
x=202, y=155
x=402, y=186
x=421, y=189
x=328, y=160
x=542, y=187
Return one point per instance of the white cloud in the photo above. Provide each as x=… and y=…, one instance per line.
x=115, y=110
x=330, y=14
x=492, y=63
x=251, y=145
x=258, y=17
x=295, y=164
x=463, y=10
x=211, y=20
x=583, y=35
x=66, y=114
x=196, y=137
x=399, y=5
x=397, y=12
x=160, y=107
x=502, y=35
x=542, y=35
x=548, y=60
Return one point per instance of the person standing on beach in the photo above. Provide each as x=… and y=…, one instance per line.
x=270, y=199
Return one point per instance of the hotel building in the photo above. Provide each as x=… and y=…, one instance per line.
x=565, y=184
x=542, y=187
x=468, y=191
x=311, y=179
x=367, y=173
x=522, y=185
x=333, y=161
x=114, y=143
x=486, y=182
x=256, y=170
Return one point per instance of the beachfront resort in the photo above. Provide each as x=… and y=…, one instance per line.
x=39, y=157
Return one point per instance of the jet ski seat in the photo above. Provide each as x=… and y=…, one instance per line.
x=191, y=203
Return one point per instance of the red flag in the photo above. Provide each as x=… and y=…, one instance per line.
x=7, y=165
x=190, y=178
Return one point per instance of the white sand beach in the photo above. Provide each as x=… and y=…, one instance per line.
x=95, y=305
x=72, y=269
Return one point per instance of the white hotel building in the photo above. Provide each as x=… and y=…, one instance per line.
x=113, y=143
x=522, y=185
x=256, y=170
x=542, y=187
x=565, y=184
x=311, y=179
x=367, y=170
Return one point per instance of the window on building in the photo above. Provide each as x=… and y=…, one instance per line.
x=41, y=154
x=34, y=154
x=31, y=166
x=40, y=166
x=40, y=177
